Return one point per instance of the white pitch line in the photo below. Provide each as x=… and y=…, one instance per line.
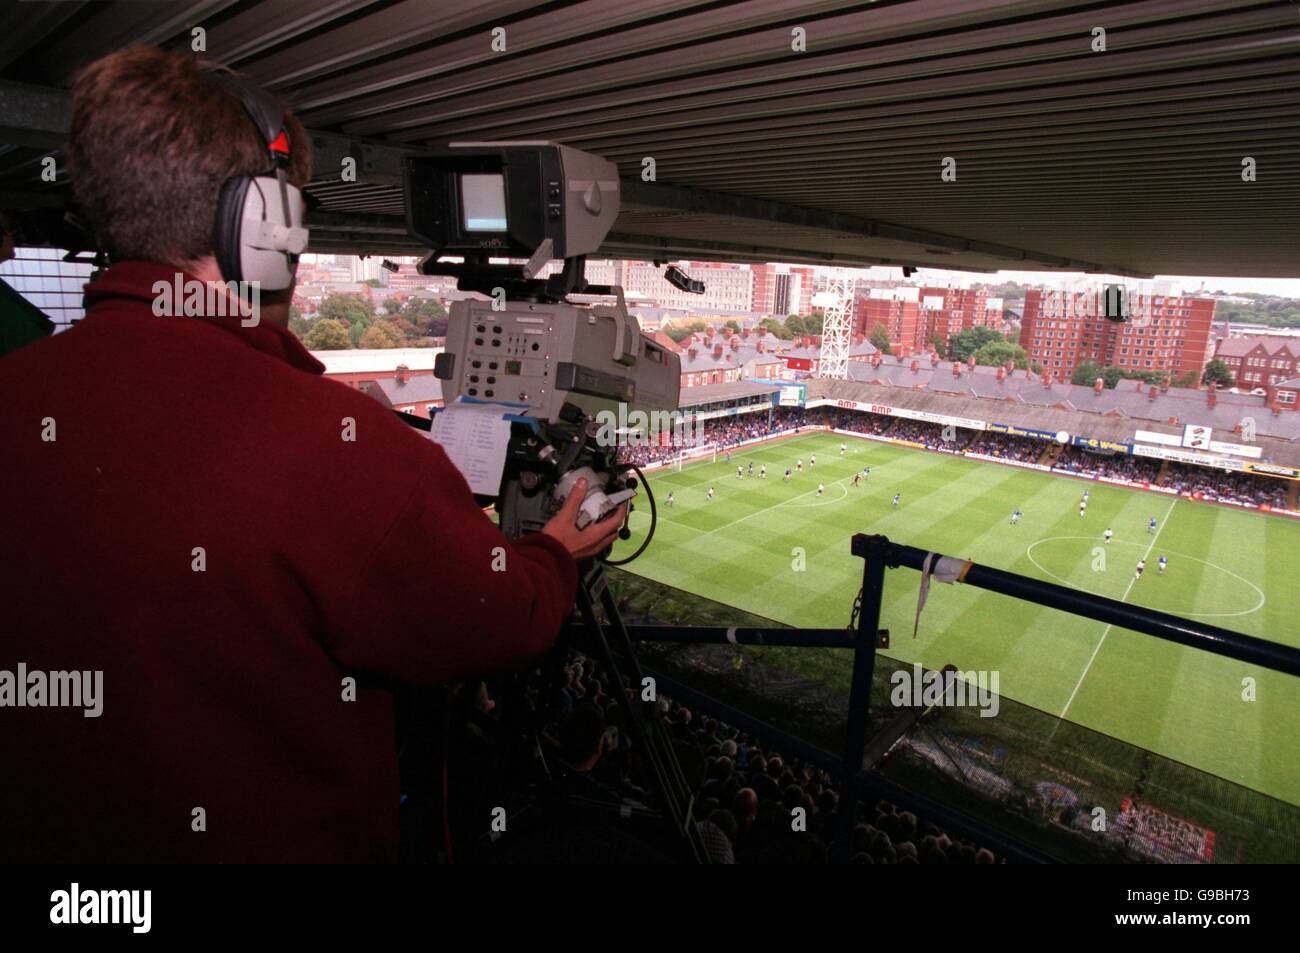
x=1123, y=598
x=759, y=512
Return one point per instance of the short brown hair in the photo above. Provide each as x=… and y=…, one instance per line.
x=152, y=140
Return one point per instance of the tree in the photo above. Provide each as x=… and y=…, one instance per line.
x=678, y=332
x=1217, y=372
x=300, y=328
x=373, y=283
x=346, y=308
x=794, y=324
x=732, y=326
x=1086, y=373
x=815, y=323
x=997, y=353
x=422, y=311
x=392, y=306
x=936, y=342
x=1190, y=379
x=382, y=334
x=327, y=334
x=965, y=343
x=775, y=328
x=405, y=329
x=880, y=338
x=1036, y=367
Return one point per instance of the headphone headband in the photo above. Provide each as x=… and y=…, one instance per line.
x=265, y=111
x=258, y=233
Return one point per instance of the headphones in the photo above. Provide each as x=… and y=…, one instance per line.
x=258, y=234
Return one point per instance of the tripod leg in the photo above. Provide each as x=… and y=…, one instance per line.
x=647, y=729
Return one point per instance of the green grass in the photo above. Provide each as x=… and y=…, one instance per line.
x=1232, y=568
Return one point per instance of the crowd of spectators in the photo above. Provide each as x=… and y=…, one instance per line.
x=860, y=422
x=1021, y=449
x=933, y=436
x=746, y=791
x=724, y=433
x=1117, y=466
x=1226, y=487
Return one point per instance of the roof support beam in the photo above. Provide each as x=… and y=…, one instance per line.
x=702, y=202
x=35, y=117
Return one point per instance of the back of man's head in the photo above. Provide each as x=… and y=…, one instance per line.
x=152, y=139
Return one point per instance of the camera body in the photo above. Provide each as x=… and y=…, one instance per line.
x=561, y=364
x=543, y=355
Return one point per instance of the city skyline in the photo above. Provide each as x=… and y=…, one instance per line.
x=1184, y=284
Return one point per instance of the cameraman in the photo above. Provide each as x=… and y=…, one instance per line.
x=244, y=554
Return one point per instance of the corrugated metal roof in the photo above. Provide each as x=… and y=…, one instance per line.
x=731, y=390
x=1126, y=161
x=1278, y=436
x=1126, y=405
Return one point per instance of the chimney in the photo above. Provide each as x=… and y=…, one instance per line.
x=916, y=365
x=692, y=352
x=1139, y=385
x=1211, y=398
x=875, y=359
x=934, y=359
x=1047, y=378
x=762, y=346
x=1002, y=373
x=1275, y=408
x=735, y=343
x=717, y=351
x=1151, y=394
x=956, y=369
x=971, y=361
x=1098, y=385
x=402, y=371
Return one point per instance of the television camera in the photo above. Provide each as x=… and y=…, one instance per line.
x=561, y=354
x=561, y=363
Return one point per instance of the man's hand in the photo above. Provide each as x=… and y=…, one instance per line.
x=582, y=543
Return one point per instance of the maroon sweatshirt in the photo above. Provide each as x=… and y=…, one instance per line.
x=188, y=443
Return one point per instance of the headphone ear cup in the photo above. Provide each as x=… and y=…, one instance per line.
x=229, y=223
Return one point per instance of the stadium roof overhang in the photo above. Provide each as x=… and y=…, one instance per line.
x=729, y=390
x=1122, y=161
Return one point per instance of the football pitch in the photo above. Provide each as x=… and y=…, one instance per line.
x=777, y=549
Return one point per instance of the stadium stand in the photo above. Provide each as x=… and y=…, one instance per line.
x=1194, y=482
